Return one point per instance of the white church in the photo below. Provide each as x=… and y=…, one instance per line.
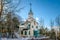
x=29, y=27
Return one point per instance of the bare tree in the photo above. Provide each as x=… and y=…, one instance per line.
x=42, y=29
x=58, y=20
x=7, y=8
x=51, y=23
x=41, y=22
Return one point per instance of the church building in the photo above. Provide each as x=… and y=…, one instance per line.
x=29, y=27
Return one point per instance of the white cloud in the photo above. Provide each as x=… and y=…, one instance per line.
x=37, y=18
x=24, y=19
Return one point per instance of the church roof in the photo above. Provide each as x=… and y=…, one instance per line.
x=26, y=22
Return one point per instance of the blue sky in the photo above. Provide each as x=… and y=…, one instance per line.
x=46, y=9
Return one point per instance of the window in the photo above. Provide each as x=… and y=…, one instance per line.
x=25, y=32
x=36, y=26
x=32, y=26
x=28, y=26
x=22, y=24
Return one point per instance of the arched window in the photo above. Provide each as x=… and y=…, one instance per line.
x=36, y=26
x=28, y=26
x=32, y=26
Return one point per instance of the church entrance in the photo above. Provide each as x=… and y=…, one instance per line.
x=35, y=33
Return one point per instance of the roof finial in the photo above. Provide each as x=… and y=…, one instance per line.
x=30, y=6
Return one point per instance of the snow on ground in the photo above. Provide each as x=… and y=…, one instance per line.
x=13, y=39
x=21, y=38
x=8, y=39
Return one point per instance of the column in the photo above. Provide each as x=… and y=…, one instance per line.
x=23, y=33
x=28, y=33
